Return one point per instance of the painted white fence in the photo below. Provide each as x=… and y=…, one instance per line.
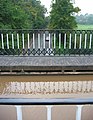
x=42, y=42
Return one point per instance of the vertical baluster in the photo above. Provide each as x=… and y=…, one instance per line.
x=60, y=41
x=90, y=41
x=12, y=41
x=65, y=41
x=85, y=46
x=17, y=40
x=19, y=112
x=78, y=112
x=70, y=41
x=49, y=112
x=7, y=41
x=44, y=40
x=75, y=45
x=49, y=40
x=23, y=40
x=54, y=40
x=80, y=41
x=28, y=40
x=2, y=37
x=38, y=40
x=33, y=41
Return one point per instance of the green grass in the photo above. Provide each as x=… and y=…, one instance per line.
x=85, y=27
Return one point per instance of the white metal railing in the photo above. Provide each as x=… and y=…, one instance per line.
x=48, y=103
x=49, y=112
x=41, y=42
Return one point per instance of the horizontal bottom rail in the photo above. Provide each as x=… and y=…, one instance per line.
x=26, y=101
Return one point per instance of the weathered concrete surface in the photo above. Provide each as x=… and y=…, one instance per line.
x=46, y=63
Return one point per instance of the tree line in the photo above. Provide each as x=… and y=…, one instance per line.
x=86, y=19
x=18, y=14
x=30, y=14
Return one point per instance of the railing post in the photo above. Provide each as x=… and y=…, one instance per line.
x=12, y=41
x=75, y=41
x=60, y=41
x=18, y=40
x=54, y=40
x=90, y=41
x=38, y=40
x=2, y=41
x=80, y=41
x=28, y=41
x=49, y=40
x=33, y=40
x=78, y=112
x=19, y=112
x=85, y=46
x=65, y=41
x=70, y=41
x=23, y=41
x=7, y=41
x=49, y=112
x=44, y=40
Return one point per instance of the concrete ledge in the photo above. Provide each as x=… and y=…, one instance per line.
x=44, y=65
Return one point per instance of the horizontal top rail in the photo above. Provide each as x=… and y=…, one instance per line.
x=29, y=101
x=44, y=30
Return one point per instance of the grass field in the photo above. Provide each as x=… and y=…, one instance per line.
x=85, y=27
